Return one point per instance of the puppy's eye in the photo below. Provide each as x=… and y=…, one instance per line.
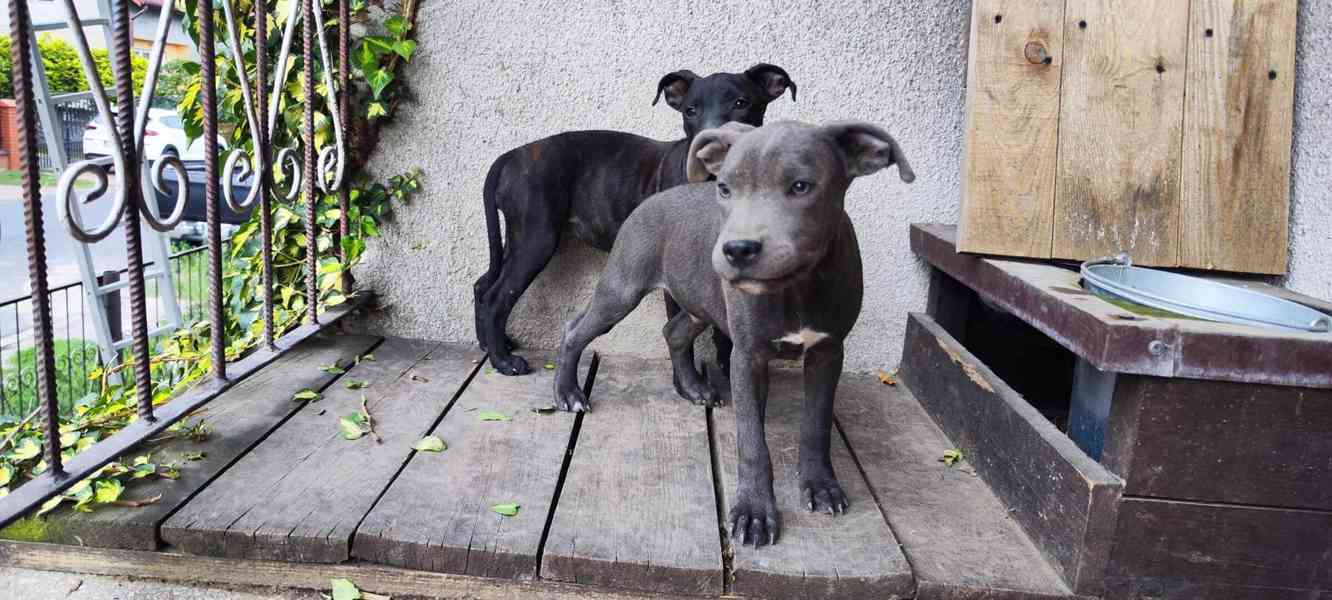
x=691, y=112
x=801, y=188
x=723, y=190
x=741, y=104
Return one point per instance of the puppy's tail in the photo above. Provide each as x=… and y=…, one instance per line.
x=492, y=216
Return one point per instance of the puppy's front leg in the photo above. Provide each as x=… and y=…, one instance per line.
x=818, y=483
x=753, y=516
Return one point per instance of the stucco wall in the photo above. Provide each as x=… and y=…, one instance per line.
x=494, y=75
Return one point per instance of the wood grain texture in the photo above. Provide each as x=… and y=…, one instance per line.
x=1212, y=441
x=1121, y=122
x=1012, y=127
x=1064, y=500
x=1050, y=299
x=817, y=555
x=1216, y=544
x=956, y=533
x=238, y=418
x=1237, y=135
x=437, y=515
x=300, y=494
x=638, y=509
x=204, y=570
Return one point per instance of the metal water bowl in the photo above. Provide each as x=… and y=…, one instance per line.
x=1196, y=297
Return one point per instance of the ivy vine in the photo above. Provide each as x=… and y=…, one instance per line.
x=183, y=359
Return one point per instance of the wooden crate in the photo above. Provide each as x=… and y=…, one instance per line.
x=1160, y=128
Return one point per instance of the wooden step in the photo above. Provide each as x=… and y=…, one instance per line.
x=961, y=540
x=853, y=555
x=237, y=420
x=300, y=494
x=438, y=514
x=638, y=509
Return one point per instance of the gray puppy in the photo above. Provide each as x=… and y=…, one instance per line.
x=783, y=279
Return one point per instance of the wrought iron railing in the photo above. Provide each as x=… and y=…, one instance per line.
x=320, y=171
x=76, y=352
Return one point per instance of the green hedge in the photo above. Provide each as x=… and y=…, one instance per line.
x=64, y=72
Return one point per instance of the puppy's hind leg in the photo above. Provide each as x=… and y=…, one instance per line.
x=610, y=304
x=680, y=332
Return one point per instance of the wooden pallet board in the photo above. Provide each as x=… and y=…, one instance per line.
x=1121, y=125
x=1202, y=544
x=238, y=419
x=638, y=508
x=960, y=539
x=854, y=555
x=300, y=494
x=1066, y=501
x=1237, y=135
x=437, y=515
x=1012, y=127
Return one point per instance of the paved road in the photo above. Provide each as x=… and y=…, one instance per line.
x=60, y=247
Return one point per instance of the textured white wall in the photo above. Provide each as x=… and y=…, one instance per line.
x=1311, y=159
x=494, y=75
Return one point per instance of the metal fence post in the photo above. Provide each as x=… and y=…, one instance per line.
x=111, y=303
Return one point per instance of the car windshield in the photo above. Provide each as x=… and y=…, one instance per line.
x=172, y=121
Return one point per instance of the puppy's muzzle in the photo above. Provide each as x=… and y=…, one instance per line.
x=742, y=253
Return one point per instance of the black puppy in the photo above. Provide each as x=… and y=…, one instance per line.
x=590, y=181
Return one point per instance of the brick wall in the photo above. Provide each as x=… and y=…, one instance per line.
x=9, y=152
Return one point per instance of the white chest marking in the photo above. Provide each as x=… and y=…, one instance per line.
x=804, y=338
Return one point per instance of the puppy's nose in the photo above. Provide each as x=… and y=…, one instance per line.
x=741, y=253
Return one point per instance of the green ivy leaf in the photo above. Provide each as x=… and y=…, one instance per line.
x=333, y=369
x=405, y=48
x=108, y=490
x=356, y=384
x=306, y=395
x=378, y=80
x=6, y=474
x=26, y=450
x=508, y=510
x=376, y=110
x=344, y=589
x=397, y=25
x=430, y=443
x=490, y=415
x=352, y=426
x=50, y=505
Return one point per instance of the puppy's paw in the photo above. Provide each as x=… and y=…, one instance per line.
x=572, y=400
x=510, y=365
x=695, y=390
x=823, y=493
x=753, y=519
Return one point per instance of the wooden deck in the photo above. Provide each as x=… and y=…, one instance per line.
x=626, y=499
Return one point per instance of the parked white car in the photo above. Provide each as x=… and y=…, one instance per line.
x=164, y=134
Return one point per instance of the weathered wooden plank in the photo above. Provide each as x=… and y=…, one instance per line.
x=204, y=570
x=956, y=533
x=1237, y=134
x=854, y=555
x=1187, y=439
x=1052, y=300
x=437, y=514
x=638, y=509
x=1217, y=544
x=1012, y=127
x=1064, y=500
x=238, y=418
x=299, y=495
x=1121, y=121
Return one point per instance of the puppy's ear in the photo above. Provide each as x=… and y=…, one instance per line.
x=675, y=86
x=772, y=79
x=709, y=149
x=867, y=149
